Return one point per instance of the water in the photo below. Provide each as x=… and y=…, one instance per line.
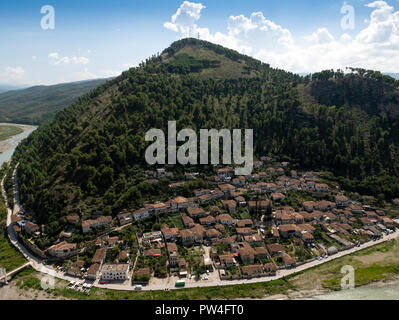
x=13, y=143
x=388, y=292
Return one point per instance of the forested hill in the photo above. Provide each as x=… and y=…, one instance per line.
x=373, y=92
x=37, y=104
x=91, y=156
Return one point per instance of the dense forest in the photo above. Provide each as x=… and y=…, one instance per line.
x=91, y=156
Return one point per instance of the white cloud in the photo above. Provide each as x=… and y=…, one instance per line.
x=12, y=75
x=85, y=74
x=345, y=37
x=56, y=59
x=322, y=35
x=374, y=47
x=185, y=17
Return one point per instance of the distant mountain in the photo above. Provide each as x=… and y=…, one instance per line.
x=37, y=104
x=4, y=88
x=90, y=157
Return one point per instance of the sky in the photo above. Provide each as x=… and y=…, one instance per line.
x=49, y=42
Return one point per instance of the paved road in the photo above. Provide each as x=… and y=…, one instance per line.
x=38, y=264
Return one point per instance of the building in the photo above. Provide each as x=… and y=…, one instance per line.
x=99, y=256
x=260, y=252
x=288, y=261
x=230, y=205
x=93, y=271
x=253, y=238
x=341, y=201
x=321, y=187
x=252, y=270
x=31, y=227
x=308, y=206
x=287, y=230
x=87, y=225
x=187, y=237
x=125, y=218
x=227, y=261
x=209, y=220
x=173, y=254
x=225, y=219
x=227, y=189
x=213, y=234
x=275, y=249
x=247, y=255
x=187, y=221
x=244, y=231
x=195, y=212
x=154, y=252
x=270, y=268
x=62, y=249
x=181, y=203
x=73, y=219
x=170, y=234
x=307, y=237
x=113, y=272
x=324, y=205
x=244, y=223
x=277, y=196
x=141, y=213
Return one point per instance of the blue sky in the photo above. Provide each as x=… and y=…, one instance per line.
x=101, y=38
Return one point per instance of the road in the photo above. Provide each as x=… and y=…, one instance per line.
x=168, y=283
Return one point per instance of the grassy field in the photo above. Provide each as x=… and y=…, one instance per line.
x=379, y=263
x=9, y=131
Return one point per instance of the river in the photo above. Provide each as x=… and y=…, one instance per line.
x=11, y=143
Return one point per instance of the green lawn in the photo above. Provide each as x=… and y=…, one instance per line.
x=9, y=131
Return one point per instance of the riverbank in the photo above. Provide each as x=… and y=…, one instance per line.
x=7, y=131
x=11, y=130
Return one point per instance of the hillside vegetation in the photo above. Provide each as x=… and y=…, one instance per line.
x=37, y=104
x=91, y=156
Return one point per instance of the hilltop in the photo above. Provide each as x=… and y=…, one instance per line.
x=90, y=157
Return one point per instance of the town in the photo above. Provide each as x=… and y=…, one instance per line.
x=244, y=227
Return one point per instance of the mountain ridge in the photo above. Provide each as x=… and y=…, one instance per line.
x=36, y=104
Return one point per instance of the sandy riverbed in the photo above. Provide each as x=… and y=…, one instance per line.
x=5, y=145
